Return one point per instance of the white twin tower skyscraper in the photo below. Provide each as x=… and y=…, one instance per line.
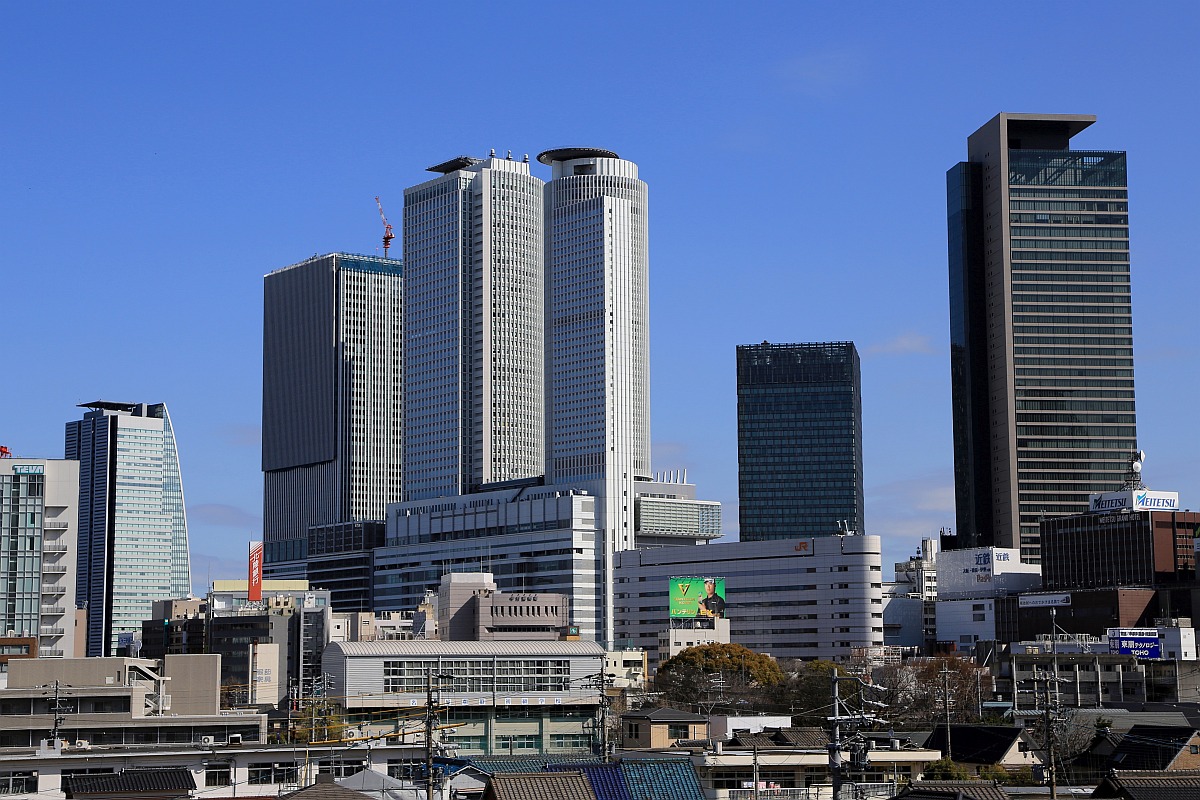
x=526, y=386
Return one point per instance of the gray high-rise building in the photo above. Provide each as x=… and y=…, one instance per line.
x=473, y=255
x=800, y=464
x=133, y=542
x=333, y=388
x=1041, y=335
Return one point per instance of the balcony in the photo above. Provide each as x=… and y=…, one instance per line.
x=53, y=547
x=50, y=652
x=55, y=525
x=54, y=569
x=51, y=631
x=53, y=611
x=51, y=589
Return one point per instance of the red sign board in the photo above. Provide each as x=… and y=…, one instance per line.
x=254, y=584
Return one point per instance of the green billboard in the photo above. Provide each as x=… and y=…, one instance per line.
x=697, y=597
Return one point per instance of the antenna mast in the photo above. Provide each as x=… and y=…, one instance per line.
x=387, y=228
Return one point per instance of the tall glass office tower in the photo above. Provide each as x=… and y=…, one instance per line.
x=473, y=257
x=1041, y=332
x=333, y=411
x=133, y=546
x=800, y=461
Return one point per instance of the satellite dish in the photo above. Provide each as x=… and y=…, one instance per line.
x=1141, y=456
x=1136, y=466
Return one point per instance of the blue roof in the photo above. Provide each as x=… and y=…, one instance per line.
x=607, y=780
x=662, y=779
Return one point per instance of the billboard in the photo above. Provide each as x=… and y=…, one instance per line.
x=1133, y=500
x=254, y=581
x=697, y=597
x=1043, y=600
x=1140, y=642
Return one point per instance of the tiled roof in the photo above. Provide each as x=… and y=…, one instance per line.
x=753, y=740
x=953, y=790
x=607, y=780
x=539, y=786
x=433, y=647
x=661, y=779
x=975, y=744
x=494, y=765
x=1150, y=747
x=324, y=789
x=167, y=781
x=801, y=737
x=1150, y=785
x=665, y=715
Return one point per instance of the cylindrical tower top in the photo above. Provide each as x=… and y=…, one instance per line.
x=548, y=157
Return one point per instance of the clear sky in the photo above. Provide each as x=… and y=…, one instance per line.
x=157, y=159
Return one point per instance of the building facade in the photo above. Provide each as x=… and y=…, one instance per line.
x=38, y=537
x=800, y=464
x=132, y=542
x=807, y=598
x=1130, y=548
x=1041, y=334
x=333, y=389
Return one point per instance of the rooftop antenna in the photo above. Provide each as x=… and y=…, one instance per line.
x=387, y=228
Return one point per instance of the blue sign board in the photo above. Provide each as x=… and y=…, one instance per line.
x=1131, y=644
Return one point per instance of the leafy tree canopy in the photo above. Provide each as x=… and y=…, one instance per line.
x=732, y=659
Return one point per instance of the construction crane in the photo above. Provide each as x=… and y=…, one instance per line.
x=387, y=229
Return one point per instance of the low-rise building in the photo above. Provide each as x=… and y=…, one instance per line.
x=661, y=727
x=520, y=698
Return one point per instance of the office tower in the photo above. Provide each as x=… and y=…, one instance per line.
x=38, y=519
x=132, y=524
x=473, y=355
x=598, y=330
x=800, y=466
x=1041, y=336
x=333, y=388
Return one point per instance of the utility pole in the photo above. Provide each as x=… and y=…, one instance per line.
x=755, y=776
x=945, y=673
x=853, y=717
x=58, y=709
x=429, y=726
x=1045, y=682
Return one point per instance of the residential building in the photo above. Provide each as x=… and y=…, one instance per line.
x=661, y=727
x=516, y=697
x=1041, y=336
x=979, y=746
x=800, y=464
x=115, y=702
x=39, y=515
x=808, y=598
x=333, y=389
x=133, y=542
x=473, y=251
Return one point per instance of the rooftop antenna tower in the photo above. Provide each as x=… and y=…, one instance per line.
x=387, y=228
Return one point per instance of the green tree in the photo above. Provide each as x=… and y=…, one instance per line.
x=697, y=672
x=945, y=770
x=804, y=692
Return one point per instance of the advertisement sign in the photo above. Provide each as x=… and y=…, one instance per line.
x=254, y=582
x=29, y=469
x=1133, y=500
x=1043, y=600
x=697, y=597
x=1140, y=642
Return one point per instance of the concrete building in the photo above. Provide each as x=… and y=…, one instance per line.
x=471, y=609
x=800, y=465
x=1041, y=335
x=910, y=600
x=519, y=698
x=972, y=585
x=39, y=516
x=333, y=386
x=474, y=367
x=133, y=544
x=808, y=598
x=119, y=701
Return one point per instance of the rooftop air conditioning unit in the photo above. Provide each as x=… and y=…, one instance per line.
x=83, y=744
x=234, y=739
x=207, y=741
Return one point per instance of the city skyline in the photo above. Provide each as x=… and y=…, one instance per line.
x=209, y=178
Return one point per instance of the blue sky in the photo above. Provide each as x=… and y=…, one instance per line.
x=156, y=160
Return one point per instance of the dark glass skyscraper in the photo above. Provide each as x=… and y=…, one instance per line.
x=799, y=440
x=1041, y=335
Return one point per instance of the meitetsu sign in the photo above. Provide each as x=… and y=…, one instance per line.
x=1133, y=500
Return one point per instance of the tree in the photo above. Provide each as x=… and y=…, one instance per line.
x=945, y=769
x=805, y=691
x=713, y=668
x=916, y=692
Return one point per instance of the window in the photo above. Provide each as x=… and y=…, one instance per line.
x=678, y=731
x=218, y=775
x=18, y=782
x=263, y=773
x=340, y=768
